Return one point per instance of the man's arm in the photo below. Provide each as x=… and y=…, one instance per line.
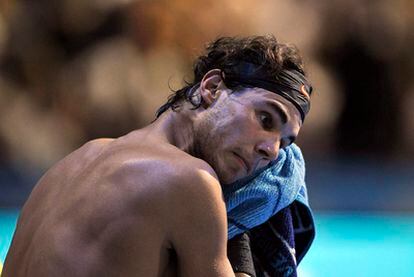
x=199, y=226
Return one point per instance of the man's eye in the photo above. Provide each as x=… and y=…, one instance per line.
x=266, y=120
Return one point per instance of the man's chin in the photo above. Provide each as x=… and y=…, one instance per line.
x=226, y=181
x=243, y=179
x=233, y=176
x=230, y=180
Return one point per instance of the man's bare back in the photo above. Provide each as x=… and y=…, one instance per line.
x=115, y=208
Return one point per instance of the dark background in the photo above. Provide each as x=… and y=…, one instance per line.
x=75, y=70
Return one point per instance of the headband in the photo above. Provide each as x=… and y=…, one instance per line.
x=290, y=84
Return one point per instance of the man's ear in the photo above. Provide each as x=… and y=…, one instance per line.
x=211, y=86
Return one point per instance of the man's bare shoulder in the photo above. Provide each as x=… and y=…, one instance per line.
x=165, y=172
x=167, y=167
x=183, y=189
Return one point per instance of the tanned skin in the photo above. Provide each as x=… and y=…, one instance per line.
x=150, y=203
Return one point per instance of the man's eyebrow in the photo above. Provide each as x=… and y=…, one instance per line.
x=279, y=110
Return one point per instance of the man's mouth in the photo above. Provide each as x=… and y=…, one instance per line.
x=243, y=162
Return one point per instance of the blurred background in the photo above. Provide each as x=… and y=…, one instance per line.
x=75, y=70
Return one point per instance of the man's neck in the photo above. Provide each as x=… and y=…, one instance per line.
x=175, y=128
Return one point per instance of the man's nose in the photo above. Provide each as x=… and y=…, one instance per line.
x=268, y=149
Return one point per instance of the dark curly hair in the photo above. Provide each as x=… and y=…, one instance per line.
x=226, y=52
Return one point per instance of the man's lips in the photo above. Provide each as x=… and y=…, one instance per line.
x=243, y=161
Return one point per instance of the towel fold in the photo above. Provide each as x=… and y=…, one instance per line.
x=273, y=246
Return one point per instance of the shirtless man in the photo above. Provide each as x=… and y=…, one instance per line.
x=150, y=203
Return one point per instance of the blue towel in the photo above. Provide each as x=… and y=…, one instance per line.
x=255, y=199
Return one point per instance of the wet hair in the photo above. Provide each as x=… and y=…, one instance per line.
x=226, y=53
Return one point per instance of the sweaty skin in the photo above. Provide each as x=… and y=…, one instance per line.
x=122, y=208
